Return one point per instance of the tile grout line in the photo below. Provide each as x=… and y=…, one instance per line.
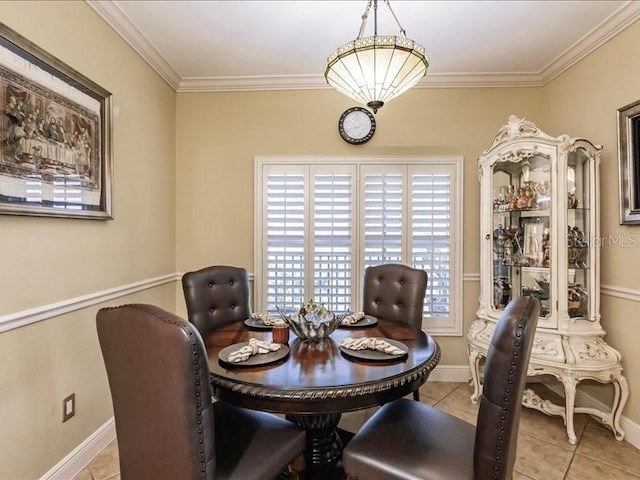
x=449, y=394
x=575, y=451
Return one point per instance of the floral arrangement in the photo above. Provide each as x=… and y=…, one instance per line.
x=315, y=312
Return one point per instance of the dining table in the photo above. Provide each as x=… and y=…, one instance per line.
x=313, y=383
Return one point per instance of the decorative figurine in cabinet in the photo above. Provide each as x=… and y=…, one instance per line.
x=539, y=223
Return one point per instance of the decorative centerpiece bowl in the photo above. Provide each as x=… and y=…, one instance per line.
x=313, y=322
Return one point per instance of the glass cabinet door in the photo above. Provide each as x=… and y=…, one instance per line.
x=578, y=233
x=522, y=231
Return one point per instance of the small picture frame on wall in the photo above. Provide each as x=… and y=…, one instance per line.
x=629, y=160
x=55, y=135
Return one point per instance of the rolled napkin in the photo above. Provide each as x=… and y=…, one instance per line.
x=352, y=318
x=254, y=347
x=371, y=343
x=267, y=319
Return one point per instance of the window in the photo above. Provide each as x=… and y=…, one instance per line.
x=320, y=222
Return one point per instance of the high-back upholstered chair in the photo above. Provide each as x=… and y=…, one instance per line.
x=166, y=424
x=413, y=441
x=395, y=292
x=216, y=296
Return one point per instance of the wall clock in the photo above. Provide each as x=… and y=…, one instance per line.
x=357, y=125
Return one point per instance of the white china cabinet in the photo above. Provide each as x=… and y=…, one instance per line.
x=540, y=236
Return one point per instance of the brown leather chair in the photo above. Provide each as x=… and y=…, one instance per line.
x=412, y=441
x=166, y=425
x=395, y=292
x=216, y=296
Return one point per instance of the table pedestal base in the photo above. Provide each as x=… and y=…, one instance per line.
x=324, y=446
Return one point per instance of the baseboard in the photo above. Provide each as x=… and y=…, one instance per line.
x=80, y=456
x=450, y=373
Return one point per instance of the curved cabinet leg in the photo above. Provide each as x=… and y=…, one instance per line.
x=621, y=395
x=474, y=363
x=569, y=383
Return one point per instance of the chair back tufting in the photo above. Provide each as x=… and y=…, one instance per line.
x=395, y=292
x=216, y=296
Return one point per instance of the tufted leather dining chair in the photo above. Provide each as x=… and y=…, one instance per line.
x=395, y=292
x=407, y=440
x=166, y=425
x=216, y=296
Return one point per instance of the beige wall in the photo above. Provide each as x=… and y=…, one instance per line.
x=46, y=260
x=206, y=216
x=219, y=134
x=583, y=102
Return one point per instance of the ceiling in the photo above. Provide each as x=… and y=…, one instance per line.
x=266, y=45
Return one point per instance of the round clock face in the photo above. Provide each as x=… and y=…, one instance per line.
x=357, y=125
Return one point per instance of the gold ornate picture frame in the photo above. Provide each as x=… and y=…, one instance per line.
x=55, y=135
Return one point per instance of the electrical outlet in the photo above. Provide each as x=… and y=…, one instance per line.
x=68, y=407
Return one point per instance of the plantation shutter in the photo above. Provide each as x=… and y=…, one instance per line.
x=285, y=239
x=320, y=223
x=333, y=235
x=382, y=216
x=431, y=224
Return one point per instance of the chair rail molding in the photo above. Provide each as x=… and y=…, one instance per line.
x=44, y=312
x=609, y=290
x=620, y=292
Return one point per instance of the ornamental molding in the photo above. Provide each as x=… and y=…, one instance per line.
x=594, y=350
x=545, y=347
x=521, y=154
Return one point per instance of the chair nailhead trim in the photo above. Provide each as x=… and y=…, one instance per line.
x=506, y=399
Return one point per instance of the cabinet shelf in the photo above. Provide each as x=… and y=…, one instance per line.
x=522, y=213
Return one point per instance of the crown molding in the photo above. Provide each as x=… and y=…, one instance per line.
x=317, y=82
x=252, y=83
x=627, y=14
x=118, y=20
x=480, y=79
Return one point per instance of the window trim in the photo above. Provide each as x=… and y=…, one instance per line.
x=454, y=323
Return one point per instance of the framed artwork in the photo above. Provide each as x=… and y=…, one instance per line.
x=55, y=135
x=629, y=159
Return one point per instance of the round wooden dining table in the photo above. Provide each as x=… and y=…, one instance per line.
x=315, y=383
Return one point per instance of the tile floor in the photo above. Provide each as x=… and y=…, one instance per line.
x=543, y=451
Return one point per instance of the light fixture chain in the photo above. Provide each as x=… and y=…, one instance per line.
x=402, y=31
x=365, y=15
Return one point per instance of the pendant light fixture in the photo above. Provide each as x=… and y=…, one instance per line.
x=374, y=70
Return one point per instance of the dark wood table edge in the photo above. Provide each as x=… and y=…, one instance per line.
x=347, y=398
